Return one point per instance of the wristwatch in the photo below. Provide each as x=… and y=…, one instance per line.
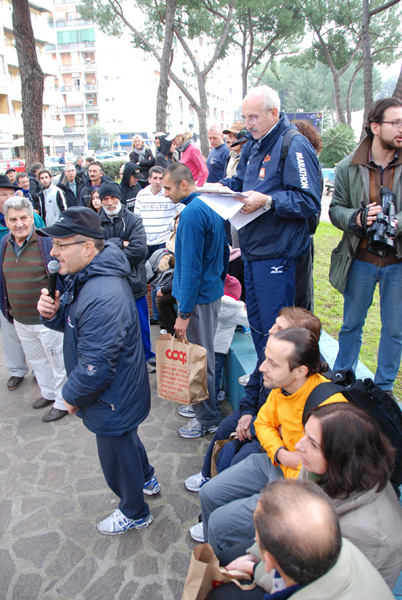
x=184, y=316
x=268, y=204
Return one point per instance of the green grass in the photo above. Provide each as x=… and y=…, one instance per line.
x=328, y=303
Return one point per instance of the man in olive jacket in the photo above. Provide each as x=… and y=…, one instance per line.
x=356, y=265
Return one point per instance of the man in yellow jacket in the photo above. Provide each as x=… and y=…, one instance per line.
x=292, y=369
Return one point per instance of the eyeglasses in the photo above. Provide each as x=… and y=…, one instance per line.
x=250, y=120
x=253, y=120
x=394, y=124
x=60, y=246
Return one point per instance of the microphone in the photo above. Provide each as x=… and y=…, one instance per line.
x=53, y=268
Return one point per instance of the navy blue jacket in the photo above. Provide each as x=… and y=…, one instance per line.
x=103, y=353
x=282, y=231
x=202, y=255
x=216, y=163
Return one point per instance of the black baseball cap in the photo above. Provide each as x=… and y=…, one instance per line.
x=77, y=220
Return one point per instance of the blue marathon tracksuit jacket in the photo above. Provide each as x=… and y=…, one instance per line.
x=282, y=231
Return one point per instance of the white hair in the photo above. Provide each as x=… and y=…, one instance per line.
x=268, y=95
x=18, y=203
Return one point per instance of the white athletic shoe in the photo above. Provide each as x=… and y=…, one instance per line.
x=195, y=482
x=197, y=533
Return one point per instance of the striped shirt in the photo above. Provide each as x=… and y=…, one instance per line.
x=157, y=214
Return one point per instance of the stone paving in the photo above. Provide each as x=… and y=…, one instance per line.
x=52, y=494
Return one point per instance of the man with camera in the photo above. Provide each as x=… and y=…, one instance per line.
x=367, y=205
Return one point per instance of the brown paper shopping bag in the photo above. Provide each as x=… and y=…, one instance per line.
x=205, y=574
x=181, y=370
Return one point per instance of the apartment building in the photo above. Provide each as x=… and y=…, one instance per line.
x=76, y=56
x=11, y=128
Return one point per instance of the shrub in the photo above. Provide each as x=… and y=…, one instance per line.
x=337, y=143
x=112, y=167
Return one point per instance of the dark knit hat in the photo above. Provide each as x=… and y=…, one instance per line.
x=109, y=188
x=77, y=220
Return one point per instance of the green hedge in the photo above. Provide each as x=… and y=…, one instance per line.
x=112, y=168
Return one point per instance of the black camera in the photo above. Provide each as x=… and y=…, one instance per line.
x=382, y=231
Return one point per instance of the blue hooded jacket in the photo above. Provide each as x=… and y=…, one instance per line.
x=103, y=353
x=282, y=231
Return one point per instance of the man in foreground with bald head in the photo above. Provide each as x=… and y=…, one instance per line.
x=299, y=538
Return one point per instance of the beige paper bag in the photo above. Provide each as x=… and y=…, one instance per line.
x=205, y=574
x=181, y=370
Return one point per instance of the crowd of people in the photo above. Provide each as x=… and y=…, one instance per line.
x=303, y=506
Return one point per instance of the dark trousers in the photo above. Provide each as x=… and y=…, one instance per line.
x=125, y=465
x=226, y=427
x=143, y=315
x=219, y=362
x=304, y=295
x=270, y=285
x=167, y=313
x=230, y=591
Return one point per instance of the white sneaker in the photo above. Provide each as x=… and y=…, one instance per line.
x=243, y=380
x=117, y=523
x=221, y=396
x=185, y=410
x=195, y=482
x=197, y=533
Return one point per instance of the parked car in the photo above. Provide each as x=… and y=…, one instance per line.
x=113, y=155
x=52, y=163
x=15, y=163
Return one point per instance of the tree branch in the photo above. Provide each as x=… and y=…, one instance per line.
x=379, y=9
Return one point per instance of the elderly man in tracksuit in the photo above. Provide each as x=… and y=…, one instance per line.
x=285, y=197
x=107, y=383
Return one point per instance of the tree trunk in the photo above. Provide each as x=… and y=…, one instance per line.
x=349, y=95
x=340, y=117
x=202, y=116
x=398, y=88
x=32, y=82
x=367, y=63
x=243, y=65
x=165, y=63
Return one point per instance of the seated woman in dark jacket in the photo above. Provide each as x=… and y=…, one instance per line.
x=345, y=453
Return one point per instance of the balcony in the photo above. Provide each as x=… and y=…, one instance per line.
x=5, y=123
x=80, y=68
x=90, y=87
x=71, y=23
x=89, y=108
x=76, y=46
x=69, y=129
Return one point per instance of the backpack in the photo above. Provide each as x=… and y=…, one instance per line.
x=366, y=394
x=286, y=139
